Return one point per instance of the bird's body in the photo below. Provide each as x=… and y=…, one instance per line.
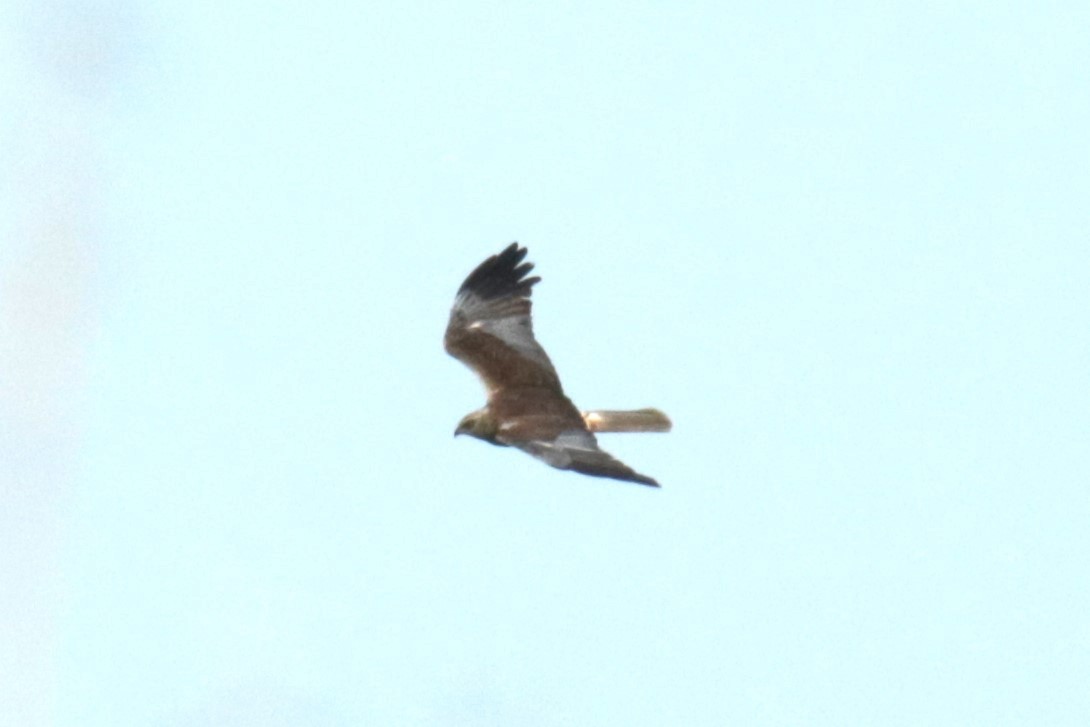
x=490, y=330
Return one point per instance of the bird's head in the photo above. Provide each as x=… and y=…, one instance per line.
x=480, y=424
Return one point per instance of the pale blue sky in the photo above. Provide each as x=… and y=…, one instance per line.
x=845, y=246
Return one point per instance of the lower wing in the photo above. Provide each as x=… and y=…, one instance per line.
x=577, y=451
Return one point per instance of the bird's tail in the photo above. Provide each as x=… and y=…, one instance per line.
x=639, y=420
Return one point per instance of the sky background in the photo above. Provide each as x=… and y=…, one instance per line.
x=844, y=245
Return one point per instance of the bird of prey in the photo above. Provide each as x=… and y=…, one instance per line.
x=490, y=332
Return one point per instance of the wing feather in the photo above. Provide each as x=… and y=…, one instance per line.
x=577, y=450
x=490, y=328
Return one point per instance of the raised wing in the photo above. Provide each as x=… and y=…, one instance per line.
x=577, y=450
x=490, y=329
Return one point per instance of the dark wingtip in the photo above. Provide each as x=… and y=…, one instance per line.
x=501, y=275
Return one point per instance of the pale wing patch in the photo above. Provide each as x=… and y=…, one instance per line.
x=515, y=331
x=558, y=452
x=576, y=439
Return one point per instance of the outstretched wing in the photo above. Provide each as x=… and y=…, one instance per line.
x=577, y=450
x=490, y=329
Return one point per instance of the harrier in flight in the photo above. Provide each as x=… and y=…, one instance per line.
x=490, y=332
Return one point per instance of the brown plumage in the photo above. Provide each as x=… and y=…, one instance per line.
x=490, y=331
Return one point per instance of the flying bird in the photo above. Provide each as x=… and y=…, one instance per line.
x=490, y=331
